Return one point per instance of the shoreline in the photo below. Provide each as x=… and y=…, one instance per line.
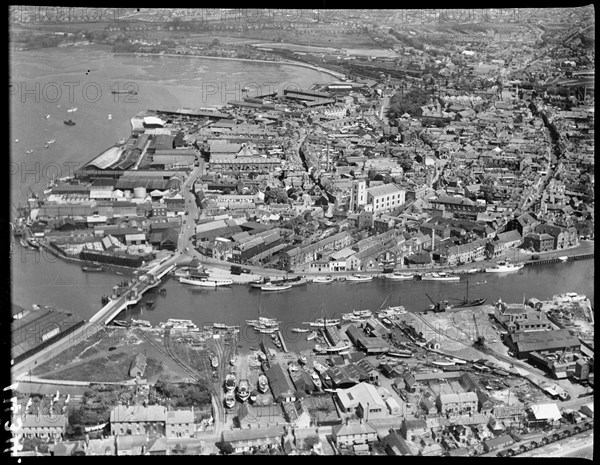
x=275, y=62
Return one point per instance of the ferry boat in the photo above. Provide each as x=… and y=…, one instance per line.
x=263, y=383
x=323, y=280
x=243, y=391
x=359, y=278
x=275, y=287
x=205, y=282
x=229, y=400
x=504, y=267
x=230, y=382
x=214, y=361
x=299, y=330
x=396, y=276
x=441, y=276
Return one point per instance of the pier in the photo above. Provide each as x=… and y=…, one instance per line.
x=545, y=261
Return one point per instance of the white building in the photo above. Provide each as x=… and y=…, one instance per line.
x=386, y=197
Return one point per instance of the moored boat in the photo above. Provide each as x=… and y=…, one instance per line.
x=397, y=276
x=504, y=267
x=299, y=330
x=323, y=280
x=400, y=353
x=263, y=383
x=440, y=276
x=214, y=361
x=243, y=391
x=229, y=400
x=359, y=278
x=205, y=282
x=321, y=323
x=311, y=336
x=316, y=380
x=275, y=287
x=230, y=382
x=92, y=268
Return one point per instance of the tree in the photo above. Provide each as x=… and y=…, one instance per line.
x=276, y=195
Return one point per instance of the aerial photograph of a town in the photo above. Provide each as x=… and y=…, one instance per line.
x=324, y=232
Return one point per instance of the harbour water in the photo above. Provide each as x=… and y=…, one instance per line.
x=169, y=83
x=52, y=81
x=42, y=279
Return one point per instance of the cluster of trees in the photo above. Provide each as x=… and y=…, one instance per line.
x=409, y=102
x=184, y=394
x=276, y=195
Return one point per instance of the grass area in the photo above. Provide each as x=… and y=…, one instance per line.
x=67, y=356
x=115, y=367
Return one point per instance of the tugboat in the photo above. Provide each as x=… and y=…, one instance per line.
x=263, y=383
